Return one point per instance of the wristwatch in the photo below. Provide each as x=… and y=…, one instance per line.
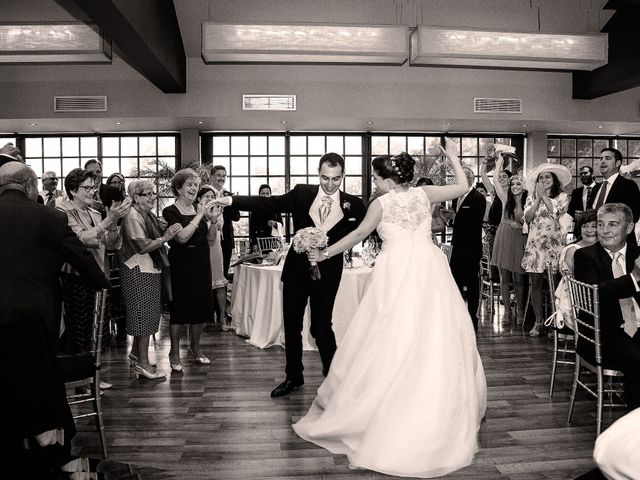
x=325, y=252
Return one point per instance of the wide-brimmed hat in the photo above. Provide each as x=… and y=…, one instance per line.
x=560, y=171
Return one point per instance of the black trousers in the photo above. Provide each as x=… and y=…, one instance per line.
x=321, y=295
x=623, y=353
x=467, y=274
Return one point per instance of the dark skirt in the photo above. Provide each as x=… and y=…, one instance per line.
x=79, y=302
x=141, y=293
x=191, y=281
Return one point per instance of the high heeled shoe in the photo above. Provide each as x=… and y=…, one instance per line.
x=192, y=357
x=133, y=361
x=176, y=367
x=535, y=331
x=147, y=374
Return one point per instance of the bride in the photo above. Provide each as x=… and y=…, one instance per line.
x=406, y=390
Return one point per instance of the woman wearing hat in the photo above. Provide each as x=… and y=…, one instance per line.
x=545, y=205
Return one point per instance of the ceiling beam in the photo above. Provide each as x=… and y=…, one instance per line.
x=146, y=35
x=622, y=72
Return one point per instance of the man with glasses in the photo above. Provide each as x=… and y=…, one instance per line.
x=582, y=197
x=105, y=195
x=50, y=193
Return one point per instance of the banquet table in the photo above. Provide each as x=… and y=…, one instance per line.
x=256, y=305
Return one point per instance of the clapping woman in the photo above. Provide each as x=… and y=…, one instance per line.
x=545, y=205
x=98, y=235
x=218, y=280
x=192, y=303
x=144, y=264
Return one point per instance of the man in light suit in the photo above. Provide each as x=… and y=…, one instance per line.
x=35, y=243
x=337, y=213
x=466, y=244
x=614, y=265
x=582, y=197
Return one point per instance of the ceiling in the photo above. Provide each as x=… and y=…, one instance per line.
x=171, y=112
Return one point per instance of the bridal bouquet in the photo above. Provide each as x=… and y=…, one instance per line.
x=307, y=239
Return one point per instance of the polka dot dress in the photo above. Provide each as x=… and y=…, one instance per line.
x=141, y=293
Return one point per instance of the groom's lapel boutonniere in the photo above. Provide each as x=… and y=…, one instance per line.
x=346, y=205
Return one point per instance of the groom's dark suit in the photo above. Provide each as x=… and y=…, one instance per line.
x=593, y=265
x=298, y=287
x=466, y=248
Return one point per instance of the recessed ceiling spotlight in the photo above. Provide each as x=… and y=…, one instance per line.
x=447, y=124
x=283, y=122
x=118, y=123
x=525, y=124
x=600, y=126
x=369, y=122
x=200, y=122
x=33, y=124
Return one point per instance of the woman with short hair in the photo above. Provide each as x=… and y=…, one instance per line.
x=144, y=262
x=192, y=303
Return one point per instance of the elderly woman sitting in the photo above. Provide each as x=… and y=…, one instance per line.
x=144, y=262
x=97, y=234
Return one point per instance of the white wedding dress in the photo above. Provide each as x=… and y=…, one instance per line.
x=406, y=390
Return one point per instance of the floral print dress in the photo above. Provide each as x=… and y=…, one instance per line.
x=545, y=241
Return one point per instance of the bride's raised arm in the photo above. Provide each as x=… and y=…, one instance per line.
x=368, y=225
x=441, y=193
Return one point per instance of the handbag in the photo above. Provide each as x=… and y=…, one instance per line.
x=565, y=222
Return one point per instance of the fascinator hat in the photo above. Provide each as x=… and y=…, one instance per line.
x=560, y=171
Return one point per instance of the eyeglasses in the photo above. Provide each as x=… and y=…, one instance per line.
x=146, y=194
x=55, y=179
x=88, y=188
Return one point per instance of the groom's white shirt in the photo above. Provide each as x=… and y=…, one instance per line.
x=335, y=215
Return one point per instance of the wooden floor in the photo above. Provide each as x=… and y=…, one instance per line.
x=219, y=422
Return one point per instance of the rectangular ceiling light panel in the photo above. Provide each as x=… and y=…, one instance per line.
x=286, y=103
x=494, y=49
x=53, y=43
x=304, y=43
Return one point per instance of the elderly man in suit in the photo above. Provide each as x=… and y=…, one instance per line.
x=466, y=244
x=337, y=213
x=10, y=153
x=582, y=197
x=50, y=194
x=36, y=241
x=614, y=265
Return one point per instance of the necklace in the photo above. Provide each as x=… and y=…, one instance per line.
x=190, y=210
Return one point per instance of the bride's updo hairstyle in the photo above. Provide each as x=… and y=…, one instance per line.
x=398, y=168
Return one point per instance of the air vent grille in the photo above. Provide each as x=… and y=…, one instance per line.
x=497, y=105
x=80, y=104
x=269, y=102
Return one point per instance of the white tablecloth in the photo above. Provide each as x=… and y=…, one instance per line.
x=256, y=305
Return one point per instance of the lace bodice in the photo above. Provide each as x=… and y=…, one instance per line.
x=405, y=215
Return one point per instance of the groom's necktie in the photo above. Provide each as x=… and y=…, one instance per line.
x=325, y=208
x=626, y=304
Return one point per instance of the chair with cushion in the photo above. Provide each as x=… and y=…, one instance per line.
x=81, y=372
x=586, y=310
x=563, y=337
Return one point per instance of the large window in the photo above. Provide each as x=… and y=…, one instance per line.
x=135, y=156
x=576, y=152
x=59, y=154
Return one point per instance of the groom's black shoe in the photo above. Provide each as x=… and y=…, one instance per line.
x=286, y=387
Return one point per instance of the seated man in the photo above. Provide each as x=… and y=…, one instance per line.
x=614, y=265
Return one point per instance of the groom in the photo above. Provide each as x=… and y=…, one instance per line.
x=337, y=213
